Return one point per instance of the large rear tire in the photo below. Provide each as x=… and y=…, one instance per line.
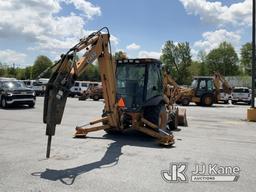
x=207, y=100
x=152, y=113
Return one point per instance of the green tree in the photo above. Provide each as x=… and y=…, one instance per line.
x=194, y=68
x=20, y=73
x=203, y=68
x=223, y=59
x=178, y=59
x=28, y=72
x=246, y=58
x=91, y=73
x=41, y=63
x=2, y=70
x=11, y=71
x=120, y=55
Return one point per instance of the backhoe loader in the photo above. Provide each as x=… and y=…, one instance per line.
x=204, y=91
x=133, y=90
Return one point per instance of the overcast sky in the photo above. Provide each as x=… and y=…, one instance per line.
x=29, y=28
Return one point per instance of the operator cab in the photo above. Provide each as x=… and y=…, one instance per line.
x=202, y=85
x=139, y=82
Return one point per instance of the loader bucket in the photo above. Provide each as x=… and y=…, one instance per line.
x=182, y=117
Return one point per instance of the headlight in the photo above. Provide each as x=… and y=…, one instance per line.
x=9, y=94
x=34, y=93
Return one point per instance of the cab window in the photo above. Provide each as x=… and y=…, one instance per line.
x=209, y=85
x=154, y=86
x=202, y=84
x=84, y=84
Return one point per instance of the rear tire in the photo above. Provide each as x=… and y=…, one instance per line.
x=152, y=113
x=207, y=100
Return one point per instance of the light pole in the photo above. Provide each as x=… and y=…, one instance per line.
x=251, y=113
x=253, y=54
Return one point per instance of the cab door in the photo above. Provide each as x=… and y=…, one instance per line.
x=201, y=88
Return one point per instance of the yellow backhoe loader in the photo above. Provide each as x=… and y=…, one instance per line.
x=204, y=91
x=134, y=91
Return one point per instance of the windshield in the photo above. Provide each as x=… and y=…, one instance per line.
x=194, y=84
x=130, y=83
x=14, y=84
x=154, y=85
x=241, y=90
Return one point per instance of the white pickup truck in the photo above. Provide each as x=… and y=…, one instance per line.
x=37, y=85
x=241, y=94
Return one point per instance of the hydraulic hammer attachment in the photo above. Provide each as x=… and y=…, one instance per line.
x=56, y=94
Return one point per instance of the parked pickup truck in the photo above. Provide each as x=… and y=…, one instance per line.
x=241, y=94
x=14, y=92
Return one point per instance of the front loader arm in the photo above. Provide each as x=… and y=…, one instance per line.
x=65, y=74
x=219, y=81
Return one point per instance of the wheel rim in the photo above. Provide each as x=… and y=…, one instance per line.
x=208, y=100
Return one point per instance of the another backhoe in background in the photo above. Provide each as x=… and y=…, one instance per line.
x=134, y=91
x=204, y=91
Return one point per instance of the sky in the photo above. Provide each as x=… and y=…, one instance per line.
x=140, y=28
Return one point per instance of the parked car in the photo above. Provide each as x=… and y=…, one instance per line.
x=14, y=92
x=37, y=85
x=241, y=94
x=81, y=86
x=224, y=97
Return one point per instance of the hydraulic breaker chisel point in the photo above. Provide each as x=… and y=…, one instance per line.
x=48, y=146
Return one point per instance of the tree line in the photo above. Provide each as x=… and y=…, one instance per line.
x=223, y=59
x=175, y=56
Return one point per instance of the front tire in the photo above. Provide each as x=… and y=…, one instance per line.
x=4, y=103
x=31, y=105
x=96, y=97
x=185, y=101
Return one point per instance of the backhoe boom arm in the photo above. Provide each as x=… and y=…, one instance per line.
x=96, y=46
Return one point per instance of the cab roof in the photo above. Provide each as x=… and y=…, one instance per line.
x=138, y=61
